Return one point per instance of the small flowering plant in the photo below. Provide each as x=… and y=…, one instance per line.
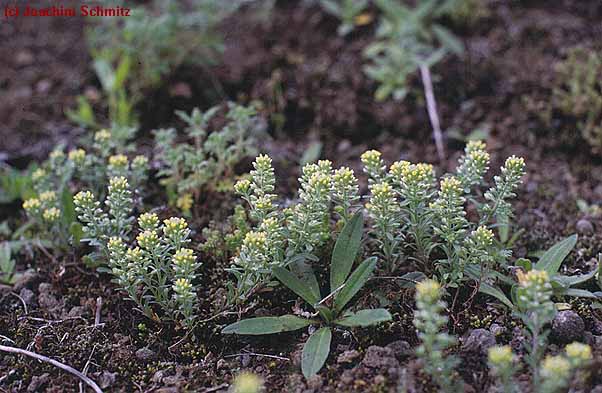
x=413, y=219
x=536, y=309
x=44, y=211
x=100, y=225
x=556, y=370
x=206, y=161
x=159, y=271
x=429, y=321
x=280, y=237
x=330, y=311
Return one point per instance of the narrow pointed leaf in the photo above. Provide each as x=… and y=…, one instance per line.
x=315, y=352
x=295, y=285
x=355, y=282
x=551, y=260
x=267, y=325
x=569, y=281
x=364, y=318
x=575, y=292
x=345, y=250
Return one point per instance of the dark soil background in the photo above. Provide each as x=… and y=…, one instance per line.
x=312, y=86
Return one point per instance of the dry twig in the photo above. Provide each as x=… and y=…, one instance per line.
x=55, y=363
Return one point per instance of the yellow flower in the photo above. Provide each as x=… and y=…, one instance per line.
x=184, y=257
x=48, y=196
x=57, y=155
x=38, y=174
x=515, y=164
x=148, y=221
x=450, y=186
x=115, y=243
x=319, y=180
x=533, y=277
x=182, y=285
x=555, y=367
x=134, y=254
x=51, y=215
x=185, y=202
x=140, y=161
x=83, y=199
x=117, y=184
x=147, y=239
x=247, y=383
x=263, y=162
x=242, y=186
x=102, y=136
x=382, y=191
x=474, y=146
x=578, y=351
x=255, y=240
x=398, y=167
x=174, y=225
x=343, y=178
x=483, y=236
x=32, y=204
x=77, y=156
x=371, y=157
x=501, y=355
x=264, y=203
x=428, y=290
x=118, y=160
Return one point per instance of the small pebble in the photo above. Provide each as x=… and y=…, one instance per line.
x=567, y=327
x=584, y=227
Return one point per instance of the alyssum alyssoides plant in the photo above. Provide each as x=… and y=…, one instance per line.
x=330, y=311
x=283, y=237
x=412, y=218
x=100, y=225
x=159, y=271
x=556, y=371
x=429, y=321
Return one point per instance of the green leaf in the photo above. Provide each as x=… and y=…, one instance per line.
x=311, y=154
x=364, y=318
x=306, y=274
x=490, y=290
x=77, y=232
x=295, y=285
x=122, y=72
x=355, y=282
x=315, y=352
x=574, y=292
x=267, y=325
x=569, y=281
x=524, y=263
x=67, y=207
x=448, y=40
x=345, y=250
x=551, y=260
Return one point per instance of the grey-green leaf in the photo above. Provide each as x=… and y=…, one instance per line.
x=306, y=274
x=315, y=352
x=267, y=325
x=569, y=281
x=364, y=318
x=355, y=282
x=295, y=285
x=551, y=260
x=345, y=250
